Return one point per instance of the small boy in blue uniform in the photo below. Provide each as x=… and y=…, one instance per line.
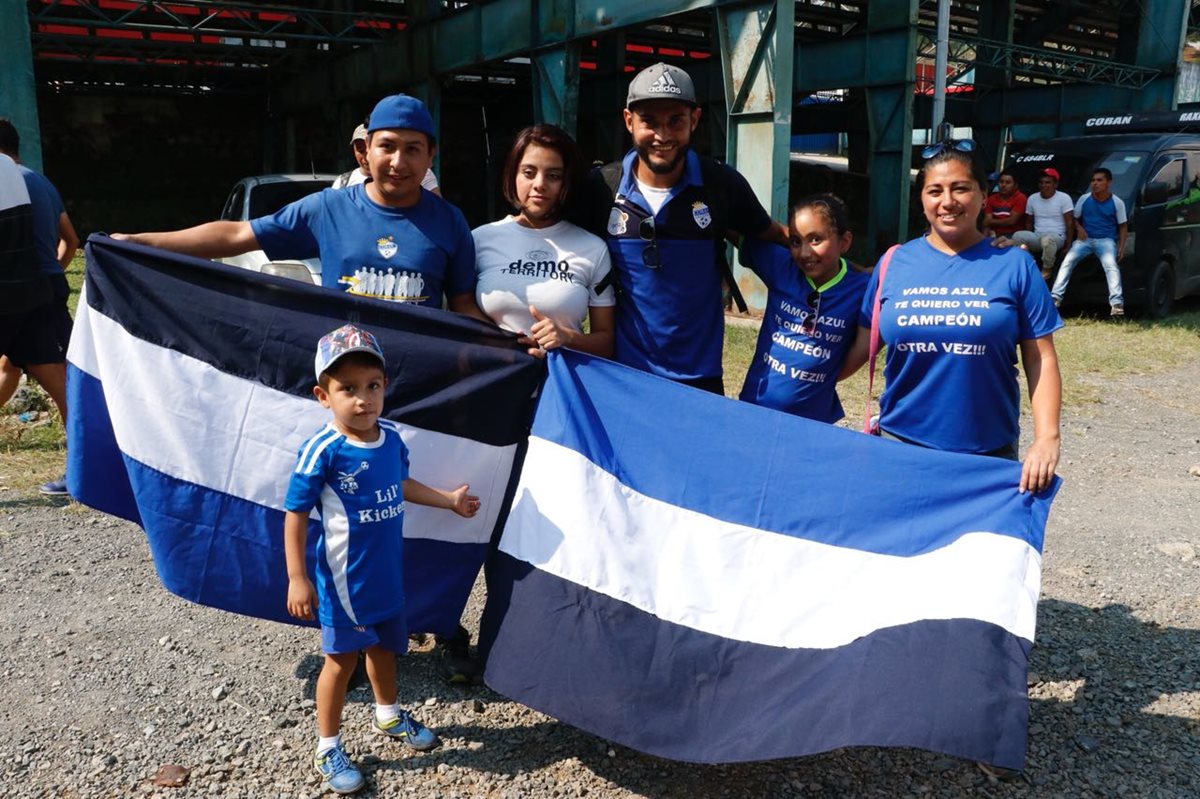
x=354, y=471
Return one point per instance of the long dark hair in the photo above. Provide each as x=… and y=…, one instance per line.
x=551, y=137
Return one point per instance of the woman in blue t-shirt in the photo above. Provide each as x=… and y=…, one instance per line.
x=811, y=313
x=954, y=311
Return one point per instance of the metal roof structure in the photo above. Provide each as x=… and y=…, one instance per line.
x=1016, y=67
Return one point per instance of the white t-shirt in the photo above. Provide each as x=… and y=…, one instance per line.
x=1048, y=214
x=654, y=195
x=556, y=269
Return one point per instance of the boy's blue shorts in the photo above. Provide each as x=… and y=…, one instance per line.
x=391, y=634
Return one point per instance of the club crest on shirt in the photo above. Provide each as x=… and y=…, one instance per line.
x=618, y=222
x=387, y=246
x=701, y=214
x=346, y=481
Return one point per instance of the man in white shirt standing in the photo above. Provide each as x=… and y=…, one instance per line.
x=1050, y=217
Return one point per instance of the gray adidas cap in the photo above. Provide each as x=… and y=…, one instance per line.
x=661, y=82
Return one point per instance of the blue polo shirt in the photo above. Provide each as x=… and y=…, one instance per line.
x=411, y=255
x=669, y=319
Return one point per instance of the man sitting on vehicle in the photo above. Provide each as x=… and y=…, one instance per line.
x=1004, y=210
x=1050, y=216
x=386, y=238
x=1101, y=230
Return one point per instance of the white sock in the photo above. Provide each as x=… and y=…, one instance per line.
x=325, y=744
x=385, y=713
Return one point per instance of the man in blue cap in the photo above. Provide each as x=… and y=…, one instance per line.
x=387, y=238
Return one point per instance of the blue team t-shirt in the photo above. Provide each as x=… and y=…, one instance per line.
x=669, y=319
x=401, y=254
x=952, y=325
x=792, y=371
x=357, y=490
x=48, y=208
x=1100, y=219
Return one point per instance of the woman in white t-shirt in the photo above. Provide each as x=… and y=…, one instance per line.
x=538, y=272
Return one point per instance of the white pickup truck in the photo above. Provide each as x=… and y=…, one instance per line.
x=262, y=196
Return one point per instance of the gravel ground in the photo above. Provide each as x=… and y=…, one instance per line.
x=110, y=678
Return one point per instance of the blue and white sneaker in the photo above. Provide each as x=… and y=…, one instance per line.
x=54, y=488
x=405, y=728
x=340, y=774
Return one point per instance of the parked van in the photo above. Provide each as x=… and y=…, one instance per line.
x=1157, y=175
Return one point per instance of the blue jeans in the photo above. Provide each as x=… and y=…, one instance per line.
x=1106, y=251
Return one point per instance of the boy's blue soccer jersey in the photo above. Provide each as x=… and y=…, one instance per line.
x=358, y=492
x=794, y=371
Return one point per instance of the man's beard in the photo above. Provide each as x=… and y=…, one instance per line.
x=661, y=167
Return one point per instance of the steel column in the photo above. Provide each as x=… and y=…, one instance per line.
x=18, y=91
x=996, y=21
x=1160, y=39
x=555, y=74
x=757, y=45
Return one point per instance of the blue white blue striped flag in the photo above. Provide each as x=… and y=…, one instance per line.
x=711, y=581
x=190, y=388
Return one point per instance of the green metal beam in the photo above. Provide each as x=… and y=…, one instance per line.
x=18, y=92
x=1160, y=39
x=881, y=62
x=443, y=43
x=556, y=86
x=756, y=45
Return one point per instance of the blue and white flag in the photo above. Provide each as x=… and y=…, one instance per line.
x=190, y=388
x=711, y=581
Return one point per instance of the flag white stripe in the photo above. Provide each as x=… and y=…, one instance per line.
x=745, y=584
x=157, y=400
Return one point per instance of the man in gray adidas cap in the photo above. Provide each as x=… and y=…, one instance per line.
x=665, y=211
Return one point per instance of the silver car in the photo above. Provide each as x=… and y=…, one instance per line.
x=262, y=196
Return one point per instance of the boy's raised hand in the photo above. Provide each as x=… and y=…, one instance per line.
x=302, y=599
x=462, y=503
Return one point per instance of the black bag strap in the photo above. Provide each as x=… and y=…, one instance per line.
x=716, y=193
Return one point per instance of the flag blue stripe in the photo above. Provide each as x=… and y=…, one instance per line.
x=671, y=691
x=756, y=467
x=219, y=550
x=448, y=373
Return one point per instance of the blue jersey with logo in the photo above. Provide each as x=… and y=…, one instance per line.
x=669, y=319
x=357, y=490
x=47, y=210
x=793, y=371
x=401, y=254
x=952, y=325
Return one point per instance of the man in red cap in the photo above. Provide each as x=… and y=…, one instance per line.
x=1050, y=218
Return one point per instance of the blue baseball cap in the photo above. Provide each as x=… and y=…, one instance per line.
x=401, y=111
